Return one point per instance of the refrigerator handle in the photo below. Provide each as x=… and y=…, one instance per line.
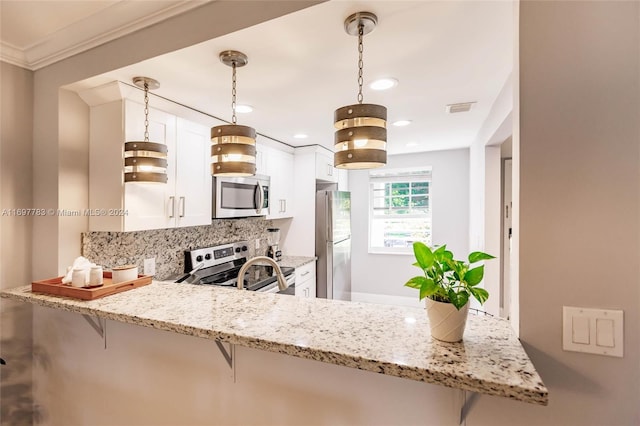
x=328, y=204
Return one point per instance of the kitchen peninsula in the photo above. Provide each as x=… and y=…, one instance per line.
x=390, y=340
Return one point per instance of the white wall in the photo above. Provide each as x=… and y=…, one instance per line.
x=485, y=189
x=579, y=159
x=492, y=230
x=385, y=274
x=300, y=234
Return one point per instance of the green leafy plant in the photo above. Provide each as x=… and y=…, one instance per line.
x=446, y=279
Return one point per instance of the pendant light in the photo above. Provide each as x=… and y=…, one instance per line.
x=361, y=135
x=233, y=147
x=145, y=161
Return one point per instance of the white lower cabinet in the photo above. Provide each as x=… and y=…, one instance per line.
x=306, y=280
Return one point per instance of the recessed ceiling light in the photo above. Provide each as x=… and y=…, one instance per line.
x=410, y=144
x=300, y=136
x=383, y=83
x=401, y=123
x=243, y=109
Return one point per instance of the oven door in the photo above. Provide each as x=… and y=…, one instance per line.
x=272, y=286
x=240, y=196
x=269, y=288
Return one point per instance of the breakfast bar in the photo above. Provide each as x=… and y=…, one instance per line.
x=389, y=340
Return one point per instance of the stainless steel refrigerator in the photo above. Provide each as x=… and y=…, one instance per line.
x=333, y=244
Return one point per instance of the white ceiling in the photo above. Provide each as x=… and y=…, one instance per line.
x=303, y=66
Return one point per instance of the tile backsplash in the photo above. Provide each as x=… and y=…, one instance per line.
x=168, y=245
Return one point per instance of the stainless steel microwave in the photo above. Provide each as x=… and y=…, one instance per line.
x=240, y=196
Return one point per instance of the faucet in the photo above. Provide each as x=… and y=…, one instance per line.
x=282, y=283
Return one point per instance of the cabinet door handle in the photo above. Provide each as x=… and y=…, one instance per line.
x=182, y=206
x=284, y=203
x=172, y=204
x=305, y=274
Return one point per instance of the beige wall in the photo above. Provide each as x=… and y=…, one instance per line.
x=16, y=121
x=579, y=158
x=148, y=377
x=73, y=183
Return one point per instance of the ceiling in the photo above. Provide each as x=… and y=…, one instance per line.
x=303, y=66
x=37, y=33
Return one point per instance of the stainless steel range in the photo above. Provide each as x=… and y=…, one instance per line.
x=219, y=265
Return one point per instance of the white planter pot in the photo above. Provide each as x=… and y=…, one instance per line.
x=446, y=322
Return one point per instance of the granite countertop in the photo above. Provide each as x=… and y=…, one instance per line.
x=390, y=340
x=296, y=261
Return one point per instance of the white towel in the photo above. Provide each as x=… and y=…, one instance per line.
x=80, y=262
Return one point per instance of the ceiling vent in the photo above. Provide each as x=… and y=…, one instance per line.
x=461, y=107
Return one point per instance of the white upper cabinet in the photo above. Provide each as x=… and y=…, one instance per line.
x=324, y=167
x=185, y=200
x=279, y=166
x=147, y=205
x=193, y=174
x=261, y=158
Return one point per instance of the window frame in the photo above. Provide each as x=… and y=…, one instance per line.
x=413, y=174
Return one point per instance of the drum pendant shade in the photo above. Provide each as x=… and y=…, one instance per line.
x=233, y=147
x=145, y=161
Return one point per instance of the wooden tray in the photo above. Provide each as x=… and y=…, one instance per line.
x=55, y=287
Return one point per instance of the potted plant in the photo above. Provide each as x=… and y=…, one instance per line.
x=447, y=285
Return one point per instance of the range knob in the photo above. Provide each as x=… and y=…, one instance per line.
x=199, y=258
x=245, y=248
x=207, y=256
x=237, y=249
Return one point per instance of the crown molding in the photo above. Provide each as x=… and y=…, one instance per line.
x=13, y=55
x=113, y=22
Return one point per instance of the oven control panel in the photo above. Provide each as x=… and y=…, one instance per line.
x=212, y=256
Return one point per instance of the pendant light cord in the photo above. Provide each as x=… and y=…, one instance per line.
x=233, y=93
x=360, y=62
x=146, y=112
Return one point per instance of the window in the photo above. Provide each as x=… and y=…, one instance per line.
x=400, y=209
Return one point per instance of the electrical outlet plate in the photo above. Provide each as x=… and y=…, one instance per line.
x=257, y=243
x=149, y=266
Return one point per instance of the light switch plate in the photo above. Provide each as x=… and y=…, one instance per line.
x=596, y=331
